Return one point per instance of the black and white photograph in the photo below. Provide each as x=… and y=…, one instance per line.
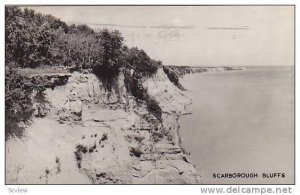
x=149, y=94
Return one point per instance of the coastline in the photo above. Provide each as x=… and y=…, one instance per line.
x=132, y=150
x=208, y=123
x=186, y=112
x=143, y=150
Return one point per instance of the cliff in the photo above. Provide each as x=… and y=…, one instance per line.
x=94, y=136
x=180, y=71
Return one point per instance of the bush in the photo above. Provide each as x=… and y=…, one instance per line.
x=137, y=89
x=154, y=108
x=138, y=60
x=20, y=94
x=173, y=77
x=104, y=137
x=134, y=86
x=80, y=149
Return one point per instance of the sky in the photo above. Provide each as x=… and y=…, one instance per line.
x=195, y=35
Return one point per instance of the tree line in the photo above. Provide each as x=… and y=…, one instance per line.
x=33, y=40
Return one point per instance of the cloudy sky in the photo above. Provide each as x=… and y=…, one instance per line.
x=196, y=35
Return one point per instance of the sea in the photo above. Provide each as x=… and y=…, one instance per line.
x=241, y=130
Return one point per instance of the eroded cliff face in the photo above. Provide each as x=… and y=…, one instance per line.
x=96, y=136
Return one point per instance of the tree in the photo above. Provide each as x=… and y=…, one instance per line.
x=139, y=61
x=26, y=42
x=11, y=25
x=107, y=66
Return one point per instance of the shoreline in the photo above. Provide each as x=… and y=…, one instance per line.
x=178, y=131
x=212, y=124
x=186, y=112
x=150, y=153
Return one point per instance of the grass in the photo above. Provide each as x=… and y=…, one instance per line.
x=58, y=165
x=91, y=149
x=104, y=137
x=78, y=153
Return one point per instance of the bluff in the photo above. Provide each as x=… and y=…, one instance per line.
x=94, y=136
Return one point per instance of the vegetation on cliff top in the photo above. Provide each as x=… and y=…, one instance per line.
x=33, y=40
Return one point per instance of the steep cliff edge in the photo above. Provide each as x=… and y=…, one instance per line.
x=96, y=136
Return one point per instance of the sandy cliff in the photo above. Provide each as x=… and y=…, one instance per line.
x=94, y=136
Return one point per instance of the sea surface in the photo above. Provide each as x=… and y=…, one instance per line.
x=241, y=122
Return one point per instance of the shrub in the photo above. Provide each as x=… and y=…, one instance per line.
x=19, y=92
x=78, y=153
x=134, y=86
x=137, y=89
x=173, y=77
x=91, y=149
x=81, y=148
x=138, y=60
x=154, y=108
x=104, y=137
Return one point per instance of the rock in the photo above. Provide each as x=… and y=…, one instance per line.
x=137, y=152
x=167, y=148
x=41, y=110
x=72, y=109
x=83, y=79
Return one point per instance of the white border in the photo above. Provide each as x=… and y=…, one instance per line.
x=126, y=189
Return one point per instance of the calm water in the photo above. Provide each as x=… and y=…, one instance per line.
x=242, y=121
